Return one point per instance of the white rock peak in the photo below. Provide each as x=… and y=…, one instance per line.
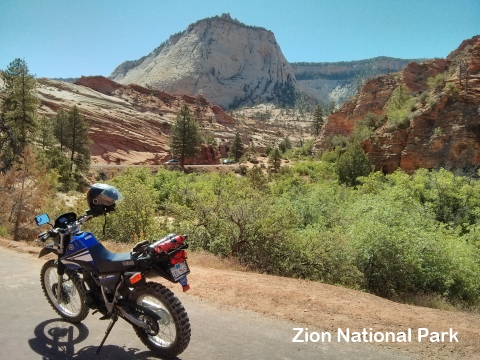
x=222, y=59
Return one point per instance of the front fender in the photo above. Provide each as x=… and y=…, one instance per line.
x=47, y=250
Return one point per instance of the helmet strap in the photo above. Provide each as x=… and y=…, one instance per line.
x=104, y=224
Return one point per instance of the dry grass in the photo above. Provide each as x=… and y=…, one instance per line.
x=435, y=301
x=204, y=259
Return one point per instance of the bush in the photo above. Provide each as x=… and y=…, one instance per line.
x=3, y=231
x=452, y=89
x=398, y=107
x=371, y=120
x=400, y=247
x=324, y=256
x=353, y=164
x=437, y=82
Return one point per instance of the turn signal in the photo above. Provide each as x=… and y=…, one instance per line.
x=135, y=278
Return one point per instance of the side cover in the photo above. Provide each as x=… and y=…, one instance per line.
x=77, y=252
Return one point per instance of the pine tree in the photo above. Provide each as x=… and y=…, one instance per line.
x=285, y=144
x=275, y=159
x=18, y=112
x=45, y=134
x=76, y=140
x=236, y=150
x=317, y=121
x=60, y=127
x=185, y=139
x=332, y=106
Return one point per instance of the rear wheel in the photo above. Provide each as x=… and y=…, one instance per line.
x=169, y=336
x=72, y=306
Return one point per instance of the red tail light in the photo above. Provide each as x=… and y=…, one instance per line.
x=178, y=257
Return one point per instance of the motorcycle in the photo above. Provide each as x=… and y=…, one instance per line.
x=86, y=276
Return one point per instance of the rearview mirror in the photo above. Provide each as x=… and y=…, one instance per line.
x=42, y=219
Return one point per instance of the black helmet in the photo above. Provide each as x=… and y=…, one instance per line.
x=101, y=198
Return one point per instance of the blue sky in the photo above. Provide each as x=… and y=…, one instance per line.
x=69, y=38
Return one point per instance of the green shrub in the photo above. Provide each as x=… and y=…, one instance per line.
x=400, y=249
x=3, y=231
x=452, y=89
x=437, y=82
x=371, y=120
x=322, y=255
x=352, y=164
x=432, y=101
x=437, y=131
x=398, y=108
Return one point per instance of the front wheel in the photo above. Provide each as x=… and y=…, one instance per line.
x=170, y=335
x=72, y=306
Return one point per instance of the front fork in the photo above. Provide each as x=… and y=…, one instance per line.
x=60, y=272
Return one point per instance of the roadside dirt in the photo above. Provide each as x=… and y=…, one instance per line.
x=322, y=307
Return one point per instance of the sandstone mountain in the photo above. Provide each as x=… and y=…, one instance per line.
x=443, y=128
x=225, y=61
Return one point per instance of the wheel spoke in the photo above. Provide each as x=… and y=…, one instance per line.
x=167, y=332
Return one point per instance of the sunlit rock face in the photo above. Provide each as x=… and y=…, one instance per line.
x=222, y=59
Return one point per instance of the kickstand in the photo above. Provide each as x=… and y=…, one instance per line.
x=109, y=328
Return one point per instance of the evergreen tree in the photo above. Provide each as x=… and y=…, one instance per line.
x=332, y=105
x=358, y=85
x=18, y=112
x=256, y=178
x=45, y=134
x=185, y=139
x=275, y=159
x=76, y=140
x=236, y=150
x=285, y=144
x=352, y=164
x=317, y=121
x=60, y=127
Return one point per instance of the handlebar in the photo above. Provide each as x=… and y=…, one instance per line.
x=44, y=236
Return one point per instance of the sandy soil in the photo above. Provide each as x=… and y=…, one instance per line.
x=322, y=307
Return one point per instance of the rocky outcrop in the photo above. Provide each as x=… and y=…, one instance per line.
x=219, y=58
x=444, y=130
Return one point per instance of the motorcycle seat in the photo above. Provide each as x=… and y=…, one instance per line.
x=107, y=261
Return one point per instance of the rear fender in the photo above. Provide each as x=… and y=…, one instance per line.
x=47, y=250
x=157, y=271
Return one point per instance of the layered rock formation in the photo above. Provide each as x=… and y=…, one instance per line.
x=219, y=58
x=130, y=124
x=444, y=127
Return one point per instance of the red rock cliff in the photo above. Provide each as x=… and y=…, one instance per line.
x=444, y=130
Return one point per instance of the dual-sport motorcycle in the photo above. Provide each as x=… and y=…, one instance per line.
x=86, y=276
